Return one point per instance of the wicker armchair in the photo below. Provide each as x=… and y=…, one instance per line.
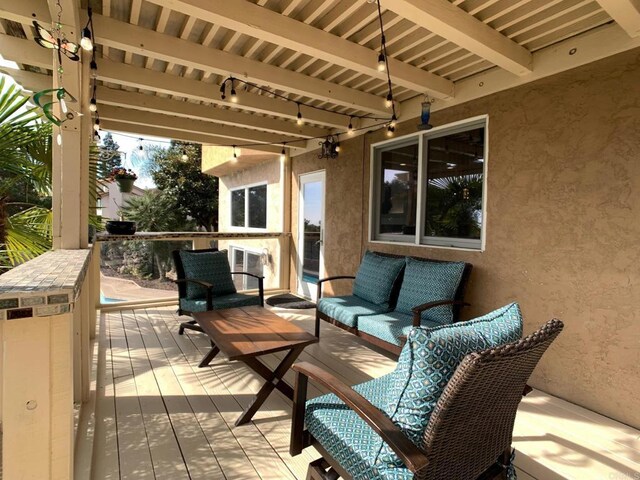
x=469, y=432
x=214, y=278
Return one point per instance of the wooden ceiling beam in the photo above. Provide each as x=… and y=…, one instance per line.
x=231, y=133
x=142, y=130
x=626, y=13
x=451, y=22
x=25, y=51
x=262, y=23
x=153, y=103
x=135, y=39
x=30, y=81
x=136, y=77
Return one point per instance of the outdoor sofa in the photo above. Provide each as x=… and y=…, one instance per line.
x=393, y=293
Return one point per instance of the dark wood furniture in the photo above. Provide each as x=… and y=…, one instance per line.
x=250, y=332
x=182, y=282
x=457, y=304
x=470, y=431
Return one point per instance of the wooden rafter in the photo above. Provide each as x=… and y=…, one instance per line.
x=461, y=28
x=625, y=12
x=250, y=19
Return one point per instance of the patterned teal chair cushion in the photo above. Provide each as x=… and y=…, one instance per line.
x=347, y=437
x=376, y=276
x=428, y=361
x=232, y=300
x=426, y=281
x=389, y=326
x=210, y=267
x=348, y=309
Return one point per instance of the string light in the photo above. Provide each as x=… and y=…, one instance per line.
x=390, y=130
x=223, y=90
x=87, y=37
x=382, y=62
x=283, y=153
x=96, y=125
x=93, y=105
x=141, y=147
x=394, y=120
x=96, y=137
x=337, y=144
x=184, y=157
x=300, y=120
x=389, y=101
x=93, y=69
x=235, y=155
x=234, y=95
x=350, y=127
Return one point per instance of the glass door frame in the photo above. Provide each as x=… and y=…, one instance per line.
x=308, y=289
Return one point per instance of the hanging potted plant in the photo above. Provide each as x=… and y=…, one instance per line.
x=124, y=178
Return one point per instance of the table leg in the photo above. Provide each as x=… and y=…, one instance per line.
x=206, y=360
x=273, y=380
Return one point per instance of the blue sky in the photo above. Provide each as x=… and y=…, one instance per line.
x=133, y=158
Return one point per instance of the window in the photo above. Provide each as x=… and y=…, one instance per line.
x=249, y=207
x=429, y=189
x=245, y=261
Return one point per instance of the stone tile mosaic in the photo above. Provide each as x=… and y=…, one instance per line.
x=32, y=301
x=19, y=313
x=50, y=310
x=9, y=302
x=60, y=298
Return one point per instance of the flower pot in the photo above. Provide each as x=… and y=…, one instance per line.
x=119, y=227
x=125, y=184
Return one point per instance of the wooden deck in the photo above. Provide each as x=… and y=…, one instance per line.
x=159, y=416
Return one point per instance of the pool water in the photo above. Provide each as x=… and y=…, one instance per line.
x=105, y=300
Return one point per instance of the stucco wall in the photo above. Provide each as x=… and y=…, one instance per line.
x=563, y=223
x=269, y=172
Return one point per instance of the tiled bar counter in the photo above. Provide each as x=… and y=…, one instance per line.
x=47, y=320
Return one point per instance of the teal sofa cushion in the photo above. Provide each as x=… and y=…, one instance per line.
x=232, y=300
x=348, y=309
x=389, y=326
x=347, y=437
x=210, y=267
x=376, y=276
x=429, y=360
x=426, y=281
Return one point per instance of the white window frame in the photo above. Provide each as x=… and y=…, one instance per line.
x=246, y=251
x=246, y=208
x=419, y=239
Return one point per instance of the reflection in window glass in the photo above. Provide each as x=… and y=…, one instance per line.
x=254, y=266
x=398, y=194
x=245, y=261
x=258, y=206
x=454, y=185
x=237, y=208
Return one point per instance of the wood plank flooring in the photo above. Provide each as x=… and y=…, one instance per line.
x=159, y=416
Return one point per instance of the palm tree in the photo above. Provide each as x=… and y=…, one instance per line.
x=25, y=157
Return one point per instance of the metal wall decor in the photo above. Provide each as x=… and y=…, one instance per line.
x=329, y=148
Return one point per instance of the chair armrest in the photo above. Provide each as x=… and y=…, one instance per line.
x=328, y=279
x=248, y=274
x=417, y=311
x=414, y=458
x=260, y=284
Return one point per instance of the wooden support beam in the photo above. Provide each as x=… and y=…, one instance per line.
x=451, y=22
x=264, y=24
x=230, y=133
x=25, y=11
x=142, y=130
x=25, y=51
x=626, y=13
x=30, y=81
x=118, y=73
x=113, y=33
x=153, y=103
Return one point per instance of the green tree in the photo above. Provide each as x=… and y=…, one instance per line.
x=25, y=179
x=182, y=182
x=153, y=212
x=109, y=155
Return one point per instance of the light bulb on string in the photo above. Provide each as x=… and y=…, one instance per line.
x=389, y=101
x=235, y=155
x=141, y=147
x=93, y=69
x=96, y=125
x=93, y=105
x=350, y=130
x=96, y=137
x=300, y=120
x=223, y=90
x=382, y=63
x=283, y=153
x=184, y=156
x=337, y=145
x=390, y=130
x=85, y=42
x=394, y=120
x=234, y=95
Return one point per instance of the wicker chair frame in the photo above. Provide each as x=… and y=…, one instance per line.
x=470, y=431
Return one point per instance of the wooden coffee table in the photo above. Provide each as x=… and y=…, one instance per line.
x=247, y=333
